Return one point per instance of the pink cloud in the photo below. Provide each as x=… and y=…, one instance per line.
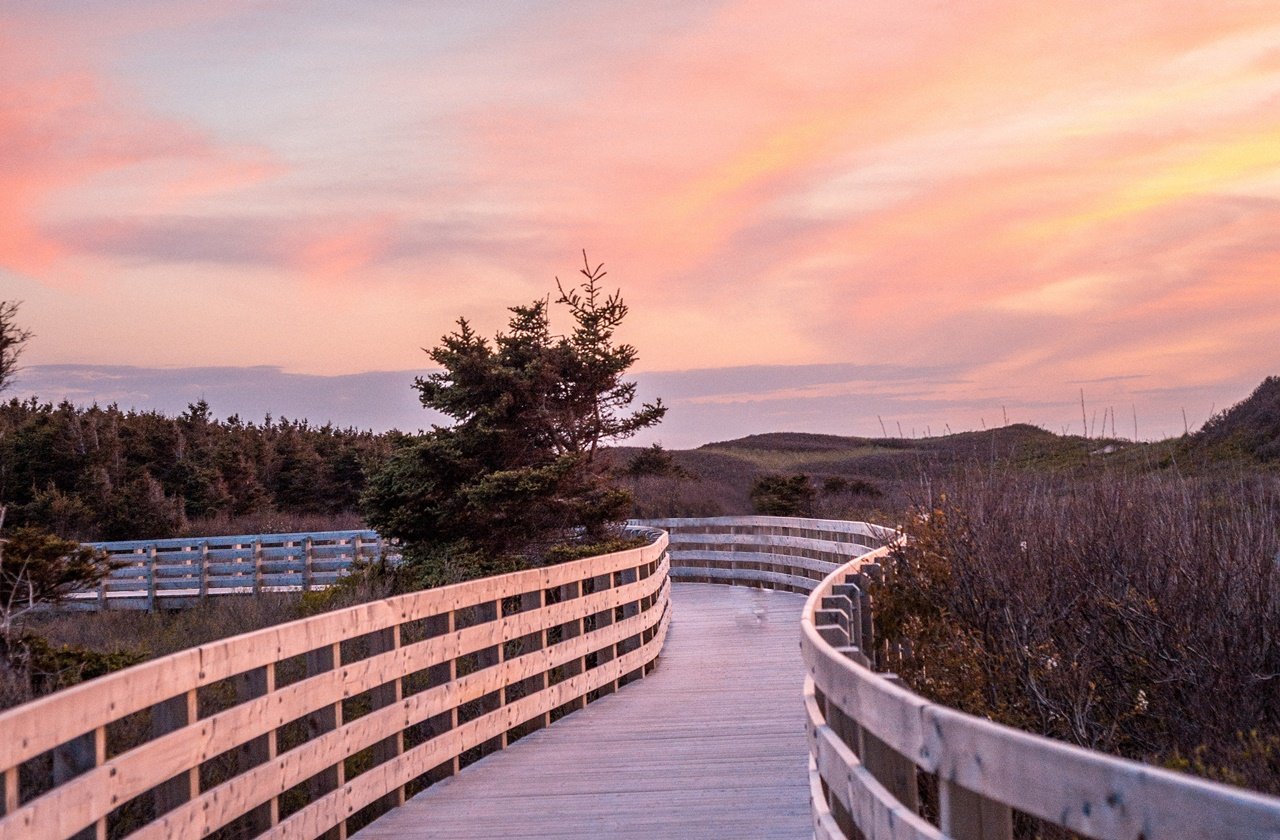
x=67, y=127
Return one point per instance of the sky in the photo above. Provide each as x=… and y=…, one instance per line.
x=831, y=217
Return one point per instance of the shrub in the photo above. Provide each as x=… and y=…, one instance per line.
x=1112, y=611
x=781, y=495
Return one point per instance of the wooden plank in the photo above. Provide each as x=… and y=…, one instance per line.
x=678, y=754
x=964, y=815
x=37, y=727
x=168, y=716
x=1089, y=793
x=221, y=804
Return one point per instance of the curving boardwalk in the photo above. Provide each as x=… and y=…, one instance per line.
x=763, y=719
x=710, y=744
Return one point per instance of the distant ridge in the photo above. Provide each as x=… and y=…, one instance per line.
x=1016, y=433
x=801, y=442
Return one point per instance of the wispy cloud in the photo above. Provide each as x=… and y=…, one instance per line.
x=1019, y=196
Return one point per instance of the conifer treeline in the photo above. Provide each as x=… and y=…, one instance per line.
x=103, y=473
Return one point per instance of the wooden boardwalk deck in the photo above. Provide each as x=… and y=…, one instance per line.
x=711, y=744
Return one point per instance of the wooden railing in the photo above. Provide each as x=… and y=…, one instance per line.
x=181, y=571
x=301, y=729
x=297, y=730
x=777, y=552
x=877, y=751
x=774, y=552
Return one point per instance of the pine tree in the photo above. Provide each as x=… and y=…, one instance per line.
x=516, y=473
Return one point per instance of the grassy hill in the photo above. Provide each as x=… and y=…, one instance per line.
x=892, y=473
x=898, y=473
x=1250, y=428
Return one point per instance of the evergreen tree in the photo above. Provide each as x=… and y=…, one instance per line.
x=12, y=339
x=516, y=473
x=782, y=495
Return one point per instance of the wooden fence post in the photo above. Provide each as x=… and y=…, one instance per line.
x=893, y=770
x=386, y=695
x=965, y=815
x=204, y=569
x=11, y=800
x=325, y=720
x=250, y=685
x=70, y=760
x=257, y=566
x=151, y=578
x=453, y=676
x=102, y=592
x=308, y=557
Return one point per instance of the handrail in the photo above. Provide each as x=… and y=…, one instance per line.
x=293, y=729
x=775, y=552
x=871, y=739
x=340, y=715
x=787, y=553
x=180, y=571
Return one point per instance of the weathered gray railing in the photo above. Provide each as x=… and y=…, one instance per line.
x=293, y=730
x=873, y=742
x=180, y=571
x=775, y=552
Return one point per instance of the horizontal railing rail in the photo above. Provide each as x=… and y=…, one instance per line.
x=297, y=729
x=778, y=552
x=180, y=571
x=774, y=552
x=874, y=743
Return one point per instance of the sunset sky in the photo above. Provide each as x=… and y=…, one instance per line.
x=824, y=215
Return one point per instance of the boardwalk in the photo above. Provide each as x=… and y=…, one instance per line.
x=711, y=744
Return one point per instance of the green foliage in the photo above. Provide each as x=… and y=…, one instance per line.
x=431, y=564
x=565, y=553
x=37, y=567
x=102, y=473
x=53, y=667
x=1251, y=427
x=517, y=471
x=783, y=495
x=12, y=339
x=655, y=461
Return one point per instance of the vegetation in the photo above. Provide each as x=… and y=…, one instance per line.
x=1251, y=428
x=1104, y=592
x=37, y=569
x=103, y=473
x=517, y=474
x=12, y=340
x=1113, y=610
x=783, y=495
